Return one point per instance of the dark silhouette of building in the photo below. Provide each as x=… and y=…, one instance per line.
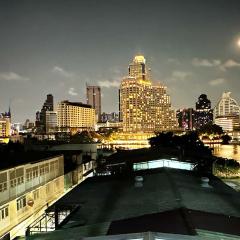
x=203, y=113
x=41, y=116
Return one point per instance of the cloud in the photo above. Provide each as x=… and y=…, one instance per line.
x=109, y=84
x=229, y=64
x=62, y=72
x=17, y=101
x=12, y=76
x=180, y=75
x=173, y=60
x=216, y=82
x=72, y=91
x=205, y=62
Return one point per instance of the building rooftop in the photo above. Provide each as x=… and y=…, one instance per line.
x=12, y=159
x=169, y=201
x=78, y=104
x=141, y=155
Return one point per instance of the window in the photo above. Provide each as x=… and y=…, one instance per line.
x=21, y=203
x=35, y=172
x=36, y=194
x=52, y=167
x=42, y=170
x=31, y=173
x=3, y=182
x=16, y=177
x=46, y=168
x=4, y=213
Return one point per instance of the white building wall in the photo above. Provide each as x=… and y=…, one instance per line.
x=26, y=189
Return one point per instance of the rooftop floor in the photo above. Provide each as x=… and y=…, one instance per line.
x=170, y=201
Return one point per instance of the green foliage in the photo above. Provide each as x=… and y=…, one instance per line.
x=228, y=163
x=226, y=139
x=167, y=139
x=82, y=137
x=210, y=129
x=227, y=167
x=189, y=146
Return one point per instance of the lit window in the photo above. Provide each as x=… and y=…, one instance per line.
x=21, y=203
x=3, y=182
x=4, y=213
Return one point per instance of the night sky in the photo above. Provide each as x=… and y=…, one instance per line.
x=57, y=47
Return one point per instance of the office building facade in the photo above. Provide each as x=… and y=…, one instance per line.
x=51, y=121
x=94, y=99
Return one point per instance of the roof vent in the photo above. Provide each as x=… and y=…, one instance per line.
x=204, y=182
x=138, y=181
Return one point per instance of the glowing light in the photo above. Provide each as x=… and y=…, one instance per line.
x=238, y=42
x=139, y=59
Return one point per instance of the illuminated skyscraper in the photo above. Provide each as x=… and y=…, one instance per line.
x=226, y=106
x=227, y=113
x=5, y=124
x=144, y=107
x=203, y=113
x=5, y=127
x=94, y=99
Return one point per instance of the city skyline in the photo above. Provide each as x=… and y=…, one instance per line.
x=50, y=47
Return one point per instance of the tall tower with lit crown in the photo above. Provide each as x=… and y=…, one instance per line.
x=137, y=68
x=144, y=107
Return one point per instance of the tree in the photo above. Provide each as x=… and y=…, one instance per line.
x=82, y=137
x=210, y=129
x=226, y=139
x=164, y=139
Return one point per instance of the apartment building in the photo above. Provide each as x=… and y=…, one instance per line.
x=75, y=116
x=26, y=190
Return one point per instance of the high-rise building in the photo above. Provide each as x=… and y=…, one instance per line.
x=94, y=99
x=41, y=116
x=203, y=113
x=227, y=113
x=51, y=121
x=111, y=117
x=186, y=118
x=5, y=127
x=226, y=106
x=144, y=107
x=75, y=116
x=5, y=124
x=28, y=125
